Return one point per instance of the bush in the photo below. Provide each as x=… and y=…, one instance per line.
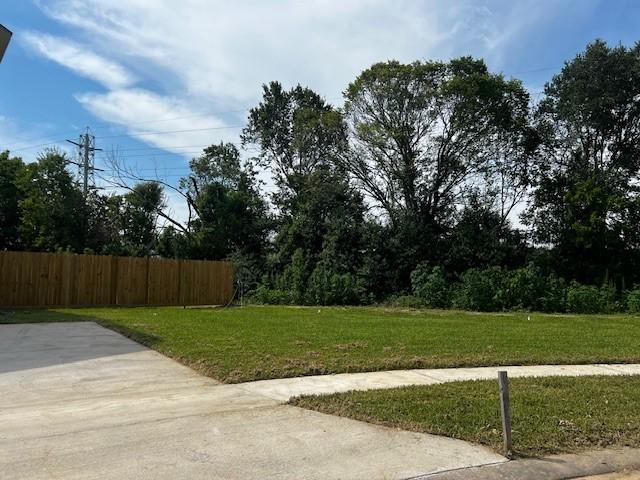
x=633, y=300
x=429, y=285
x=266, y=295
x=524, y=288
x=609, y=300
x=328, y=288
x=583, y=299
x=590, y=299
x=405, y=301
x=482, y=290
x=555, y=295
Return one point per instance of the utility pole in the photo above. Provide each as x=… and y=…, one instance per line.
x=86, y=150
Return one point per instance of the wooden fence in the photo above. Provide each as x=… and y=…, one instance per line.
x=29, y=279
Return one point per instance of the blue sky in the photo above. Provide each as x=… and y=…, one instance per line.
x=160, y=79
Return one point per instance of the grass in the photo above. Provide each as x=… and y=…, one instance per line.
x=549, y=415
x=259, y=342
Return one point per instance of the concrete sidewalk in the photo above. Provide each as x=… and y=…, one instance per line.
x=80, y=401
x=283, y=389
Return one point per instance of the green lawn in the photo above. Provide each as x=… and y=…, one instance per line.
x=550, y=415
x=240, y=344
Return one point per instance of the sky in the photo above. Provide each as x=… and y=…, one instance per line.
x=159, y=80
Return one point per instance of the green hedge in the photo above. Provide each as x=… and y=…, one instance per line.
x=490, y=289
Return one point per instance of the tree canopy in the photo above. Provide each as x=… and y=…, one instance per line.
x=438, y=180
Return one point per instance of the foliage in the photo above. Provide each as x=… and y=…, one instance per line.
x=230, y=218
x=139, y=216
x=633, y=301
x=11, y=169
x=481, y=290
x=405, y=301
x=421, y=131
x=586, y=178
x=297, y=132
x=266, y=295
x=325, y=287
x=430, y=286
x=481, y=238
x=412, y=187
x=51, y=198
x=591, y=299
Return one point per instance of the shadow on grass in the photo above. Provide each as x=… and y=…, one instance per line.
x=44, y=338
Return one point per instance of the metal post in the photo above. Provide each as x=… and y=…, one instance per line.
x=86, y=165
x=503, y=381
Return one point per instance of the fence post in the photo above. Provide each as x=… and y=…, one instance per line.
x=503, y=381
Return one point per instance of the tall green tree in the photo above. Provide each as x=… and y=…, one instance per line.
x=230, y=216
x=587, y=184
x=11, y=169
x=52, y=205
x=296, y=132
x=421, y=131
x=300, y=138
x=482, y=239
x=139, y=217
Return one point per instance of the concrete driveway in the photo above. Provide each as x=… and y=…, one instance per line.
x=78, y=401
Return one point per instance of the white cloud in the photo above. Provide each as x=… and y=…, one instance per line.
x=223, y=51
x=139, y=110
x=79, y=59
x=208, y=56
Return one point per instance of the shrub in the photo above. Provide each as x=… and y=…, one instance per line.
x=405, y=301
x=633, y=300
x=264, y=294
x=329, y=288
x=609, y=299
x=554, y=298
x=295, y=276
x=429, y=285
x=524, y=288
x=482, y=290
x=583, y=299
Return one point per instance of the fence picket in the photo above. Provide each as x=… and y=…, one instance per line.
x=34, y=279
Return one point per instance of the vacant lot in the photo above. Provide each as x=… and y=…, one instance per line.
x=241, y=344
x=550, y=415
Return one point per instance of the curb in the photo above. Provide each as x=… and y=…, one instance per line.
x=556, y=467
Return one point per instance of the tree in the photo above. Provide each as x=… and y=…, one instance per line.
x=482, y=238
x=11, y=169
x=296, y=132
x=104, y=224
x=421, y=131
x=326, y=223
x=586, y=185
x=421, y=134
x=230, y=216
x=52, y=205
x=319, y=241
x=139, y=215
